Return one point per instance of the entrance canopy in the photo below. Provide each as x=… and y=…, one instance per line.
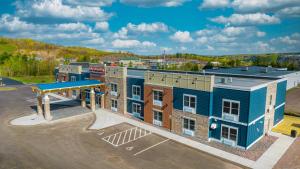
x=53, y=87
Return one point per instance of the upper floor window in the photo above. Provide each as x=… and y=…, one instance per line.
x=189, y=103
x=73, y=78
x=157, y=97
x=136, y=92
x=231, y=110
x=114, y=105
x=114, y=87
x=136, y=108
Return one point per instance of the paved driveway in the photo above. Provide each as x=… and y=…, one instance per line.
x=68, y=145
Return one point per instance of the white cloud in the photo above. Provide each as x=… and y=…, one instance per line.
x=95, y=41
x=56, y=9
x=96, y=3
x=247, y=19
x=215, y=3
x=262, y=5
x=72, y=27
x=122, y=33
x=182, y=37
x=210, y=47
x=234, y=31
x=102, y=26
x=166, y=49
x=151, y=27
x=154, y=3
x=260, y=34
x=263, y=46
x=205, y=32
x=289, y=12
x=14, y=24
x=119, y=43
x=289, y=40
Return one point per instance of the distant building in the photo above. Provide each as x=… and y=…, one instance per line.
x=131, y=61
x=293, y=77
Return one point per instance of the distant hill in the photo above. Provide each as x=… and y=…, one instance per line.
x=46, y=50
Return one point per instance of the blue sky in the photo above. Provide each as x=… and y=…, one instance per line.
x=210, y=27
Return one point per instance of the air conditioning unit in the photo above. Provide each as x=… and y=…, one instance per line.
x=114, y=109
x=113, y=93
x=157, y=103
x=229, y=142
x=157, y=122
x=189, y=109
x=135, y=114
x=230, y=117
x=188, y=132
x=136, y=97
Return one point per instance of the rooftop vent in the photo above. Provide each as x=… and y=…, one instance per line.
x=226, y=80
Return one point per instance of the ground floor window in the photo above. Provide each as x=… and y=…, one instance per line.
x=229, y=134
x=136, y=108
x=157, y=118
x=114, y=105
x=188, y=126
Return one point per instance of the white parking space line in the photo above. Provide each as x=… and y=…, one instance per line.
x=150, y=147
x=123, y=137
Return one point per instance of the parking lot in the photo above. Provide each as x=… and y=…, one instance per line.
x=68, y=144
x=143, y=146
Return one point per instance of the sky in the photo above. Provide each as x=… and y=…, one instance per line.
x=151, y=27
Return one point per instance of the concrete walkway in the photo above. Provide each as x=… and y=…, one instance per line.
x=275, y=152
x=105, y=116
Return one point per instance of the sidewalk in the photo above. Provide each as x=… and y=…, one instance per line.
x=103, y=115
x=275, y=152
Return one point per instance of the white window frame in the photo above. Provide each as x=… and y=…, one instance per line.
x=137, y=113
x=228, y=140
x=157, y=122
x=135, y=96
x=230, y=116
x=188, y=108
x=188, y=131
x=113, y=92
x=112, y=105
x=158, y=102
x=73, y=78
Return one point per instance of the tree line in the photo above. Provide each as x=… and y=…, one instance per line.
x=25, y=65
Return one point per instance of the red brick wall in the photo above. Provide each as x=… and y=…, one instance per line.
x=167, y=106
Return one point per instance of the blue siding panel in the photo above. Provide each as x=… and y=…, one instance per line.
x=257, y=103
x=278, y=115
x=203, y=100
x=242, y=96
x=242, y=132
x=135, y=81
x=281, y=93
x=255, y=131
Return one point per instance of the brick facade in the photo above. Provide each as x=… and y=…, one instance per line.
x=167, y=104
x=201, y=124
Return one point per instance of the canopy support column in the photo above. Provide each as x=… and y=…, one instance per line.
x=83, y=103
x=40, y=105
x=47, y=112
x=102, y=101
x=92, y=99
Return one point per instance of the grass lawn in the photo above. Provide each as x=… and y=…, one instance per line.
x=7, y=88
x=34, y=79
x=288, y=123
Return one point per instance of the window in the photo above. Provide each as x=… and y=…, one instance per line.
x=189, y=103
x=231, y=110
x=136, y=92
x=229, y=133
x=114, y=105
x=231, y=107
x=271, y=99
x=73, y=78
x=136, y=108
x=114, y=87
x=157, y=118
x=157, y=97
